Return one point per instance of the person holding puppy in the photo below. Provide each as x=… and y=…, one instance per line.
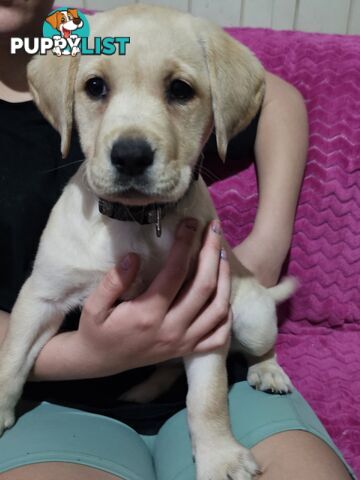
x=32, y=177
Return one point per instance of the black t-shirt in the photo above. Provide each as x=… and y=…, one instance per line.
x=32, y=177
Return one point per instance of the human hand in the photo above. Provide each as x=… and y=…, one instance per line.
x=263, y=255
x=173, y=318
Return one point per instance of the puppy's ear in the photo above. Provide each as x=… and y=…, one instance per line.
x=237, y=82
x=53, y=19
x=51, y=81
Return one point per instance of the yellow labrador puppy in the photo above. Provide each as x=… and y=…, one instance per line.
x=143, y=120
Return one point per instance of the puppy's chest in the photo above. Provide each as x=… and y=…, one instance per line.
x=124, y=237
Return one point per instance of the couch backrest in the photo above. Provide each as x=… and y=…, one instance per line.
x=325, y=253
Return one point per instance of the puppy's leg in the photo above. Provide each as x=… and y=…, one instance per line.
x=255, y=328
x=33, y=321
x=218, y=455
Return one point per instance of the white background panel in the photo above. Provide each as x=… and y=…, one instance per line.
x=257, y=13
x=323, y=16
x=179, y=4
x=330, y=16
x=105, y=4
x=354, y=18
x=226, y=13
x=283, y=14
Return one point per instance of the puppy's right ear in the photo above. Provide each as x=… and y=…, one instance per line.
x=51, y=81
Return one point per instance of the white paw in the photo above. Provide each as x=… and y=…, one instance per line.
x=7, y=419
x=268, y=375
x=229, y=461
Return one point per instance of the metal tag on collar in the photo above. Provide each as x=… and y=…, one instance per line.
x=158, y=221
x=154, y=216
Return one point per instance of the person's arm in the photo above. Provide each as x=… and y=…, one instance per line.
x=165, y=322
x=280, y=151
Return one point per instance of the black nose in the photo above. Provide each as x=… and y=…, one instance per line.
x=131, y=156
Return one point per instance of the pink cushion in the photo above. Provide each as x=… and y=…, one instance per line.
x=319, y=344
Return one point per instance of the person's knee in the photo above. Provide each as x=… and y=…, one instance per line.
x=298, y=455
x=56, y=471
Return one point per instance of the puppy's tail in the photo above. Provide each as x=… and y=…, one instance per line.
x=284, y=289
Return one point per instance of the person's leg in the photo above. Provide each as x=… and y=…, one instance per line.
x=51, y=442
x=57, y=471
x=287, y=439
x=298, y=455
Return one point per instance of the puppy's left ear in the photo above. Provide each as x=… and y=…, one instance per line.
x=51, y=81
x=237, y=82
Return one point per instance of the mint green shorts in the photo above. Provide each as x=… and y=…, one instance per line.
x=52, y=433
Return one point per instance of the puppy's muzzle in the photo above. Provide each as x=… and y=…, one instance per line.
x=131, y=156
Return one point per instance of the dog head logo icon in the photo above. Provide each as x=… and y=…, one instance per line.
x=65, y=21
x=66, y=26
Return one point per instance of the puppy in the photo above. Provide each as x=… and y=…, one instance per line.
x=143, y=120
x=66, y=22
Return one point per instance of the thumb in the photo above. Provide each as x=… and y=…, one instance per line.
x=113, y=285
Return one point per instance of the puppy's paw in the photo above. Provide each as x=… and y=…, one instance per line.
x=227, y=461
x=268, y=375
x=7, y=419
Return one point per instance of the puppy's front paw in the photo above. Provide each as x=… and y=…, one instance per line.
x=227, y=461
x=7, y=418
x=268, y=375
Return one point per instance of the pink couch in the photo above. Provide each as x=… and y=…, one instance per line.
x=319, y=343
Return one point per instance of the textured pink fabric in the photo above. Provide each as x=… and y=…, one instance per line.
x=319, y=343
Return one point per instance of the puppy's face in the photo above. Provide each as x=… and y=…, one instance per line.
x=143, y=118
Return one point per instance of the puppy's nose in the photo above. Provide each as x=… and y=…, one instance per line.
x=131, y=156
x=77, y=20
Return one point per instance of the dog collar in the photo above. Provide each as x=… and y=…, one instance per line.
x=147, y=214
x=144, y=215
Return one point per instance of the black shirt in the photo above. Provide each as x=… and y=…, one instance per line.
x=32, y=177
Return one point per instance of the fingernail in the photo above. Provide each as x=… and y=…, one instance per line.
x=191, y=224
x=223, y=254
x=216, y=227
x=125, y=263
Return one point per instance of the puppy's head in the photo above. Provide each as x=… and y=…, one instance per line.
x=143, y=118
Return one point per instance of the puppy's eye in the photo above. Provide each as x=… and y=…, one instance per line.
x=96, y=88
x=180, y=91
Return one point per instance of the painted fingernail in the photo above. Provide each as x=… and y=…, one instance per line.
x=125, y=263
x=223, y=254
x=191, y=224
x=216, y=227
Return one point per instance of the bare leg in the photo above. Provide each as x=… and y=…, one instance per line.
x=57, y=471
x=298, y=455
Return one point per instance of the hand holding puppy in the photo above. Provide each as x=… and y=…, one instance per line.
x=171, y=319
